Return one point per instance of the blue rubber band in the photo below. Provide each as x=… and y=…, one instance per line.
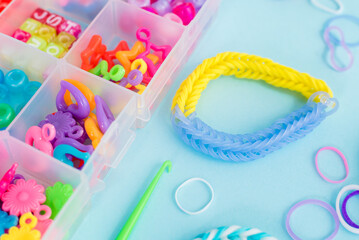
x=333, y=38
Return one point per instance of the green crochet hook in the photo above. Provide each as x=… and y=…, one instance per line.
x=131, y=222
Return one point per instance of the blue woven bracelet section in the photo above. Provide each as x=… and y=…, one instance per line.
x=247, y=147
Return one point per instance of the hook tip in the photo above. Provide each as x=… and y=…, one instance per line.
x=168, y=165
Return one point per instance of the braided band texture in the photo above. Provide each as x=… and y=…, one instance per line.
x=235, y=233
x=246, y=147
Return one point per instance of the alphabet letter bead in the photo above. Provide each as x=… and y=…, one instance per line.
x=54, y=20
x=30, y=25
x=40, y=15
x=46, y=32
x=70, y=27
x=21, y=35
x=37, y=42
x=55, y=50
x=65, y=40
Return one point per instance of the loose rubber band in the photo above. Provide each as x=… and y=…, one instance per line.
x=327, y=9
x=339, y=213
x=333, y=38
x=332, y=47
x=345, y=212
x=205, y=207
x=312, y=202
x=345, y=162
x=247, y=147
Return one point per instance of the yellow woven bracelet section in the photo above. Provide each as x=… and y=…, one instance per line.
x=247, y=66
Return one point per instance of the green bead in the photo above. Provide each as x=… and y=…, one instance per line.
x=101, y=69
x=57, y=196
x=7, y=114
x=117, y=73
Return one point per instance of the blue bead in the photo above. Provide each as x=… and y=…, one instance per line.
x=7, y=221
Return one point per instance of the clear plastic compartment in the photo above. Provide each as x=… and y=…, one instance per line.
x=122, y=20
x=120, y=102
x=47, y=171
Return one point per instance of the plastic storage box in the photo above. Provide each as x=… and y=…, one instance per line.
x=114, y=20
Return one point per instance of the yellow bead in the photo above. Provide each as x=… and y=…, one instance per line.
x=65, y=40
x=37, y=42
x=55, y=50
x=30, y=25
x=46, y=32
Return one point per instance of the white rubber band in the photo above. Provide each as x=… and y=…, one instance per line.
x=338, y=209
x=187, y=182
x=327, y=9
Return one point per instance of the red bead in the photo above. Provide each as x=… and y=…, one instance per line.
x=111, y=55
x=40, y=15
x=21, y=35
x=70, y=27
x=54, y=20
x=93, y=53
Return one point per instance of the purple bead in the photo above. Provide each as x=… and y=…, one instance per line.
x=162, y=7
x=104, y=114
x=64, y=124
x=140, y=3
x=81, y=109
x=197, y=3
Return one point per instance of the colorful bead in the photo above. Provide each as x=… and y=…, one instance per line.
x=65, y=40
x=57, y=196
x=90, y=97
x=25, y=232
x=55, y=50
x=7, y=221
x=125, y=57
x=109, y=56
x=63, y=151
x=40, y=15
x=41, y=138
x=64, y=124
x=173, y=17
x=7, y=114
x=7, y=178
x=70, y=27
x=54, y=20
x=93, y=130
x=140, y=3
x=37, y=42
x=140, y=65
x=81, y=109
x=162, y=7
x=21, y=35
x=43, y=214
x=23, y=197
x=30, y=25
x=46, y=32
x=104, y=114
x=93, y=53
x=185, y=11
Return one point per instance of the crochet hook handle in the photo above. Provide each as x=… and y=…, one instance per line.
x=131, y=222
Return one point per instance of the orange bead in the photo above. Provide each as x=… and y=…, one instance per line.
x=125, y=57
x=93, y=130
x=84, y=90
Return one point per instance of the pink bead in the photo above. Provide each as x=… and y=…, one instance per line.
x=70, y=27
x=150, y=9
x=54, y=20
x=186, y=12
x=41, y=138
x=21, y=35
x=40, y=15
x=173, y=17
x=7, y=178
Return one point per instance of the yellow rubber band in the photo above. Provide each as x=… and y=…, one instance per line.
x=247, y=66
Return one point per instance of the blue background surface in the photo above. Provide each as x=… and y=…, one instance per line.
x=256, y=194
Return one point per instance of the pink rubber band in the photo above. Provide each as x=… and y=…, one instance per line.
x=341, y=156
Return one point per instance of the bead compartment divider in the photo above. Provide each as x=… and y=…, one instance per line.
x=135, y=110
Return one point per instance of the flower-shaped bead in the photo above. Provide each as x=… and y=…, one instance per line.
x=64, y=124
x=57, y=196
x=23, y=197
x=26, y=231
x=6, y=221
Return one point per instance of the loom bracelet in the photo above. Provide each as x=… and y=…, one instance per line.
x=247, y=147
x=340, y=214
x=345, y=212
x=236, y=233
x=312, y=202
x=345, y=162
